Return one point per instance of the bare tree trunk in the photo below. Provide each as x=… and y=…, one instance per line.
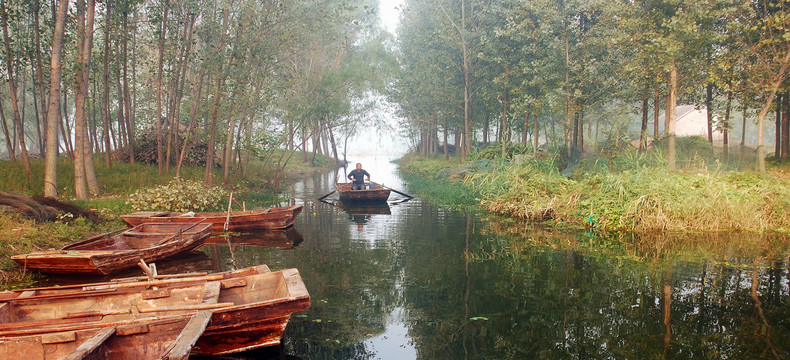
x=643, y=132
x=65, y=129
x=40, y=67
x=709, y=107
x=85, y=32
x=505, y=112
x=670, y=117
x=192, y=119
x=726, y=126
x=12, y=89
x=105, y=115
x=785, y=147
x=777, y=80
x=656, y=109
x=53, y=108
x=159, y=70
x=778, y=122
x=8, y=137
x=568, y=109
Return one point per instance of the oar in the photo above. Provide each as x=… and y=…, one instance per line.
x=404, y=194
x=323, y=197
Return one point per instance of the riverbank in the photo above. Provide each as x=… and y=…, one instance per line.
x=635, y=197
x=257, y=187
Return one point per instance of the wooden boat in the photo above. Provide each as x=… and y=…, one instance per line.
x=271, y=218
x=264, y=304
x=254, y=304
x=135, y=283
x=110, y=323
x=379, y=193
x=107, y=253
x=170, y=338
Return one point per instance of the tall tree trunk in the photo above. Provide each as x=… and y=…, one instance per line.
x=90, y=172
x=643, y=132
x=40, y=67
x=656, y=109
x=726, y=126
x=525, y=130
x=778, y=122
x=776, y=81
x=65, y=129
x=505, y=112
x=709, y=107
x=85, y=32
x=12, y=89
x=53, y=108
x=105, y=114
x=467, y=87
x=38, y=117
x=208, y=176
x=127, y=106
x=8, y=138
x=159, y=70
x=785, y=147
x=670, y=117
x=568, y=110
x=581, y=128
x=192, y=119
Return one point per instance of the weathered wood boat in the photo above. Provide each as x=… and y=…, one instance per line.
x=264, y=304
x=170, y=338
x=378, y=193
x=271, y=218
x=117, y=323
x=254, y=308
x=107, y=253
x=135, y=283
x=33, y=313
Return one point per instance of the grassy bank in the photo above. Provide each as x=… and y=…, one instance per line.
x=258, y=186
x=635, y=195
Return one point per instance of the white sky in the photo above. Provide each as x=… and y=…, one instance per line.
x=370, y=141
x=389, y=11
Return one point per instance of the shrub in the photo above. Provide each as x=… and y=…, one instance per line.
x=177, y=195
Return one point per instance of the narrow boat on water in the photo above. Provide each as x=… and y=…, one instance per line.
x=254, y=308
x=372, y=192
x=118, y=323
x=169, y=338
x=271, y=218
x=110, y=252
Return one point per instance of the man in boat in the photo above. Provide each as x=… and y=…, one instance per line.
x=359, y=177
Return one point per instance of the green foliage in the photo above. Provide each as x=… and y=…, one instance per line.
x=691, y=150
x=178, y=195
x=494, y=151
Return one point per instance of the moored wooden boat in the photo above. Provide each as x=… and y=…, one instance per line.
x=263, y=305
x=379, y=193
x=169, y=338
x=137, y=283
x=33, y=313
x=256, y=304
x=270, y=218
x=107, y=253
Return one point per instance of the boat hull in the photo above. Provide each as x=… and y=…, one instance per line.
x=271, y=218
x=377, y=194
x=106, y=254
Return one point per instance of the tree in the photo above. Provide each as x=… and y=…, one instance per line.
x=53, y=108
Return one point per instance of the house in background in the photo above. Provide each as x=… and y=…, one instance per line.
x=690, y=121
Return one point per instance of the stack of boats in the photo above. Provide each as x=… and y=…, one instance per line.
x=155, y=316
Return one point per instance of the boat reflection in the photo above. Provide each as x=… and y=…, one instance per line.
x=286, y=239
x=354, y=209
x=188, y=262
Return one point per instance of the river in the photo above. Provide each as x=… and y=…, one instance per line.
x=414, y=281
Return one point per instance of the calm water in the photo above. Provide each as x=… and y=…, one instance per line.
x=412, y=281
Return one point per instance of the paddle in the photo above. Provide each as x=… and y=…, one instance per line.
x=323, y=197
x=404, y=194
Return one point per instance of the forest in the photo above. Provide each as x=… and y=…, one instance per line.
x=563, y=75
x=211, y=84
x=215, y=84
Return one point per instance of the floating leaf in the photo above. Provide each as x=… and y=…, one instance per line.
x=478, y=318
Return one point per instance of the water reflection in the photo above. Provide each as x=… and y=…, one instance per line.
x=423, y=282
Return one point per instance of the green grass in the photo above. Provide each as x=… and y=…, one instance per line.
x=635, y=195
